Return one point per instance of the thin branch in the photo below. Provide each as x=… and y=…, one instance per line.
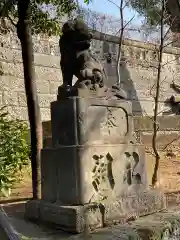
x=115, y=4
x=175, y=139
x=167, y=44
x=175, y=87
x=170, y=61
x=155, y=124
x=120, y=42
x=124, y=26
x=125, y=5
x=78, y=7
x=169, y=28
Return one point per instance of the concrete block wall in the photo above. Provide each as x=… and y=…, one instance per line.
x=138, y=72
x=48, y=75
x=168, y=135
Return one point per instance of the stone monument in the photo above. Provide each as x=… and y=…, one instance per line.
x=95, y=173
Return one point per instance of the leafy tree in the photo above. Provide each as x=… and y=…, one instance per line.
x=14, y=150
x=45, y=15
x=151, y=10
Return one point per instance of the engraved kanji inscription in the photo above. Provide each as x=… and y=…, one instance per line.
x=102, y=173
x=130, y=177
x=110, y=122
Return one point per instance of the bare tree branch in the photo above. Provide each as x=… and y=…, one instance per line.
x=115, y=4
x=155, y=124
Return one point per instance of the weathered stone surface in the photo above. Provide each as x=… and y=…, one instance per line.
x=45, y=114
x=136, y=79
x=5, y=41
x=14, y=42
x=47, y=61
x=136, y=76
x=164, y=225
x=163, y=138
x=91, y=172
x=145, y=123
x=16, y=70
x=18, y=112
x=43, y=87
x=77, y=219
x=53, y=85
x=12, y=69
x=91, y=121
x=7, y=54
x=11, y=84
x=41, y=46
x=10, y=98
x=46, y=99
x=47, y=73
x=14, y=55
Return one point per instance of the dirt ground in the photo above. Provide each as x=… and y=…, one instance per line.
x=22, y=189
x=169, y=171
x=169, y=177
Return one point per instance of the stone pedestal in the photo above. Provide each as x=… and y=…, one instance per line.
x=95, y=174
x=76, y=175
x=80, y=121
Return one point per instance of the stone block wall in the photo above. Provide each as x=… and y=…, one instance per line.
x=138, y=72
x=168, y=134
x=48, y=75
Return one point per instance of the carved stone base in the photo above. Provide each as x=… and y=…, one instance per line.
x=77, y=219
x=91, y=121
x=91, y=171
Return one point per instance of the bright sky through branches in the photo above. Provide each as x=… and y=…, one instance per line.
x=104, y=6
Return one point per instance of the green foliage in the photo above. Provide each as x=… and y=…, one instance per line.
x=41, y=19
x=14, y=150
x=150, y=9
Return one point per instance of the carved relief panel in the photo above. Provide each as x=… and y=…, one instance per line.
x=112, y=174
x=106, y=125
x=82, y=121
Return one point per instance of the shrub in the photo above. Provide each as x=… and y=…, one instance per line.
x=14, y=150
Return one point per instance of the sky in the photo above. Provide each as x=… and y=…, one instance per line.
x=109, y=8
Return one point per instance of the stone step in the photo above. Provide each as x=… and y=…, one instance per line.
x=164, y=225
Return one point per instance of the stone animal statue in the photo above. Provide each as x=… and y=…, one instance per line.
x=76, y=57
x=78, y=60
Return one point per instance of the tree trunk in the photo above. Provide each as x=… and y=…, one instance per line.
x=24, y=34
x=158, y=82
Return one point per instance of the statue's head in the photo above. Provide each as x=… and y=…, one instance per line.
x=77, y=34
